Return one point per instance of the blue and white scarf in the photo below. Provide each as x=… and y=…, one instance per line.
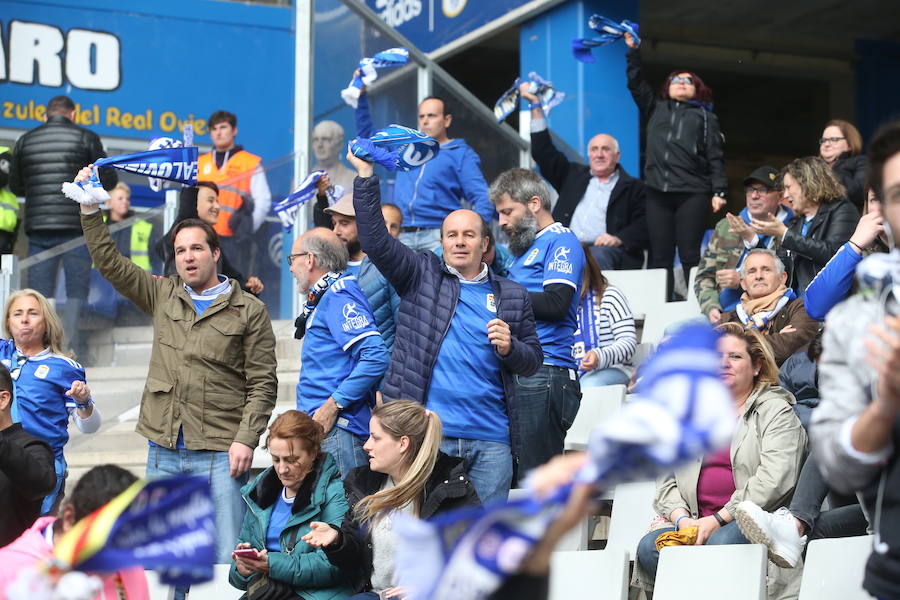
x=172, y=164
x=396, y=148
x=682, y=411
x=287, y=209
x=392, y=57
x=609, y=31
x=586, y=337
x=509, y=101
x=760, y=319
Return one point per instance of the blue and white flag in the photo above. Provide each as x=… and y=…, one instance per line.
x=609, y=31
x=170, y=163
x=396, y=148
x=392, y=57
x=548, y=95
x=682, y=411
x=156, y=143
x=287, y=209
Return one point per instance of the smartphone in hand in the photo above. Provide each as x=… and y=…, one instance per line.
x=246, y=553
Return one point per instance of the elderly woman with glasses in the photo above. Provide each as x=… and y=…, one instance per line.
x=840, y=146
x=685, y=166
x=49, y=385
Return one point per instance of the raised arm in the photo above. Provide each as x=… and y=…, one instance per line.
x=640, y=90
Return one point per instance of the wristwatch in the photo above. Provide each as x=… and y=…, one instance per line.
x=719, y=518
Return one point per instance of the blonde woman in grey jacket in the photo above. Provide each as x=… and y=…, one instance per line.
x=762, y=464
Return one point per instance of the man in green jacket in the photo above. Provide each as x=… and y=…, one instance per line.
x=211, y=385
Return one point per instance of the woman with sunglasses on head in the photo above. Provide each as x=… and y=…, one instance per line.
x=685, y=169
x=49, y=385
x=406, y=473
x=840, y=146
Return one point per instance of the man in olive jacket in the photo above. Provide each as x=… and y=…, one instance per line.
x=211, y=385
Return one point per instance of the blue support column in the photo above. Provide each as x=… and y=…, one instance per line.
x=597, y=98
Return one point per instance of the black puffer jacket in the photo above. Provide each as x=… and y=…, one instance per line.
x=685, y=148
x=805, y=256
x=448, y=488
x=43, y=159
x=852, y=172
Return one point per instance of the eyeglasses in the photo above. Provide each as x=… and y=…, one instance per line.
x=686, y=79
x=291, y=257
x=831, y=140
x=761, y=190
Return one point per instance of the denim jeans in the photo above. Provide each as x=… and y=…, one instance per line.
x=76, y=265
x=346, y=449
x=226, y=490
x=547, y=403
x=608, y=257
x=423, y=239
x=488, y=464
x=601, y=377
x=806, y=505
x=648, y=555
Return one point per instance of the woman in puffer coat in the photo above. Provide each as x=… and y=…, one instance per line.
x=302, y=486
x=685, y=168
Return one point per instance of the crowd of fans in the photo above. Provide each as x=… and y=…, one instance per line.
x=439, y=366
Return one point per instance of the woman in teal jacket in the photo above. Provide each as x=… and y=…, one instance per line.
x=302, y=485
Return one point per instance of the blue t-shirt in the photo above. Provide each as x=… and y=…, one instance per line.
x=281, y=512
x=40, y=382
x=466, y=389
x=554, y=257
x=336, y=328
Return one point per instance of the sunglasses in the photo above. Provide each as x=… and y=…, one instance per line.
x=685, y=79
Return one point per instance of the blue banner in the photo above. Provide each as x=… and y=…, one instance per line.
x=173, y=164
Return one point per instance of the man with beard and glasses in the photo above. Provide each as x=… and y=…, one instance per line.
x=549, y=263
x=343, y=356
x=382, y=296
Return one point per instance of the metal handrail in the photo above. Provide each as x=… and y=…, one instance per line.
x=372, y=18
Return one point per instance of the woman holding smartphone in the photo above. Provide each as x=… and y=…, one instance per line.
x=303, y=485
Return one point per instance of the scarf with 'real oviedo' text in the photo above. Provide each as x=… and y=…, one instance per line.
x=315, y=294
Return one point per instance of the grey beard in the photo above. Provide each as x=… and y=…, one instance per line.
x=522, y=237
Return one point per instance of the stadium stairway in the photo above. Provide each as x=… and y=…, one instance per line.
x=117, y=390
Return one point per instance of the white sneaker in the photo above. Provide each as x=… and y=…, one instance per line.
x=776, y=531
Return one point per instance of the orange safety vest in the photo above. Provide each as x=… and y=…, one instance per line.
x=233, y=180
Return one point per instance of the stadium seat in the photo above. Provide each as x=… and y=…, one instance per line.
x=632, y=511
x=574, y=540
x=595, y=574
x=261, y=459
x=834, y=569
x=736, y=572
x=217, y=589
x=597, y=404
x=645, y=289
x=158, y=591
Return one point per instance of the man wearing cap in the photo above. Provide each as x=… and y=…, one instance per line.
x=718, y=284
x=382, y=297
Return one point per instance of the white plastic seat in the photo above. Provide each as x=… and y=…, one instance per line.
x=261, y=458
x=158, y=591
x=575, y=540
x=834, y=569
x=595, y=574
x=632, y=511
x=597, y=404
x=218, y=588
x=645, y=289
x=735, y=572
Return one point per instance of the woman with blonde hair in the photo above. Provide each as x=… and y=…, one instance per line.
x=840, y=146
x=406, y=473
x=762, y=463
x=49, y=385
x=823, y=220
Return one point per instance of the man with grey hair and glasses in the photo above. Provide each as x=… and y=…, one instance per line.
x=601, y=203
x=343, y=356
x=770, y=307
x=549, y=264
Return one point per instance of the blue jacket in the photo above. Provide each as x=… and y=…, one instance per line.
x=431, y=192
x=428, y=295
x=832, y=283
x=306, y=568
x=383, y=300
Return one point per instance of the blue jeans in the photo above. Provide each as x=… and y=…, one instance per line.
x=547, y=403
x=423, y=239
x=601, y=377
x=488, y=464
x=346, y=448
x=608, y=257
x=648, y=555
x=226, y=490
x=76, y=265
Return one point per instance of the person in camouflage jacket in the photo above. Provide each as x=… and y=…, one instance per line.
x=717, y=283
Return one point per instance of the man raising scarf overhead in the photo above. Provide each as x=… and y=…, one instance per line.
x=770, y=307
